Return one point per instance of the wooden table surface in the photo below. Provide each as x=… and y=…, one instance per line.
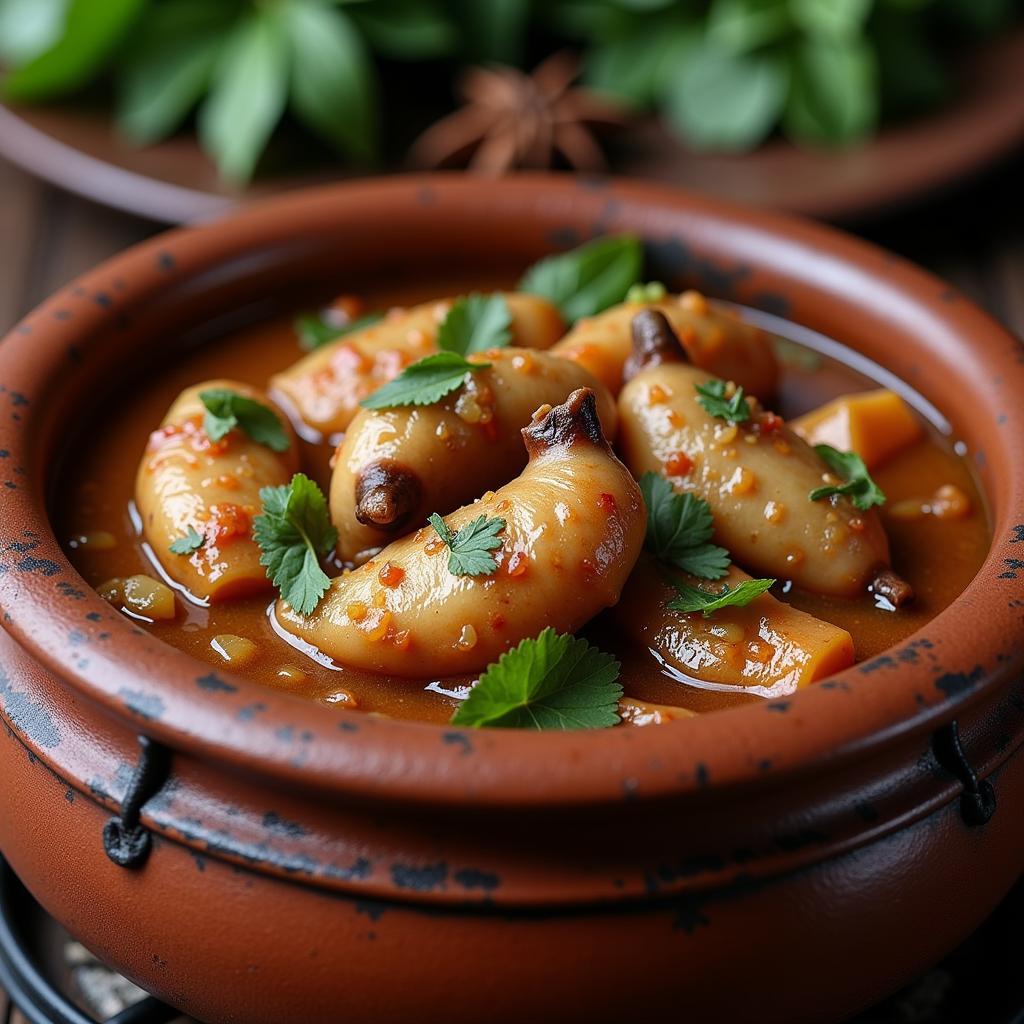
x=974, y=238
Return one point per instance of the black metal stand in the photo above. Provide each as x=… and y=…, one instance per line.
x=30, y=991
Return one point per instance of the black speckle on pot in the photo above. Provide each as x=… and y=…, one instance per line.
x=103, y=300
x=285, y=733
x=69, y=795
x=62, y=314
x=371, y=909
x=458, y=739
x=780, y=706
x=427, y=878
x=474, y=878
x=69, y=590
x=27, y=715
x=199, y=859
x=1018, y=534
x=273, y=822
x=94, y=616
x=953, y=684
x=75, y=355
x=250, y=711
x=689, y=916
x=701, y=774
x=213, y=683
x=839, y=685
x=765, y=764
x=979, y=458
x=882, y=661
x=1013, y=565
x=165, y=261
x=346, y=726
x=146, y=706
x=866, y=811
x=4, y=453
x=360, y=868
x=76, y=637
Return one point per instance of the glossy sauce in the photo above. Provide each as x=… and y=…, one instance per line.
x=937, y=556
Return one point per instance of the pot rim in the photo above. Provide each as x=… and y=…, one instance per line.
x=914, y=687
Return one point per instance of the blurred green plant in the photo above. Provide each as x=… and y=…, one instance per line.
x=723, y=73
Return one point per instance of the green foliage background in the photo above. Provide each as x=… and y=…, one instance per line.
x=723, y=73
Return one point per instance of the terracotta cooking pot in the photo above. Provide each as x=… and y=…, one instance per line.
x=251, y=857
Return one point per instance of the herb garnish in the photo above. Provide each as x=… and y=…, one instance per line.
x=475, y=323
x=653, y=291
x=192, y=541
x=469, y=549
x=294, y=533
x=424, y=382
x=589, y=279
x=859, y=487
x=555, y=681
x=317, y=329
x=679, y=527
x=693, y=599
x=712, y=399
x=226, y=409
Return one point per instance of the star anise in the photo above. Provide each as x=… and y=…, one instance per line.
x=516, y=120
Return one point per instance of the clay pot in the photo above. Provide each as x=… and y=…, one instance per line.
x=279, y=861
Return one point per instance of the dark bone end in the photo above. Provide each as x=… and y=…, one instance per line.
x=896, y=590
x=654, y=342
x=388, y=495
x=563, y=425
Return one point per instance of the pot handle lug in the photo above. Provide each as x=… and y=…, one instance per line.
x=978, y=800
x=126, y=842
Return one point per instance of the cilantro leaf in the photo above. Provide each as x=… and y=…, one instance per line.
x=859, y=487
x=424, y=382
x=226, y=409
x=475, y=323
x=679, y=527
x=192, y=541
x=316, y=329
x=589, y=279
x=712, y=399
x=294, y=532
x=693, y=599
x=555, y=681
x=469, y=550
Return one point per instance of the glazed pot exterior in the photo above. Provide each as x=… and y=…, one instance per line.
x=231, y=930
x=278, y=860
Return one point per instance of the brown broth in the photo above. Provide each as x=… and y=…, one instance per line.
x=95, y=494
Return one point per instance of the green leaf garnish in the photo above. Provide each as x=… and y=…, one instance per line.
x=552, y=682
x=227, y=409
x=192, y=541
x=294, y=532
x=424, y=382
x=653, y=291
x=587, y=280
x=711, y=397
x=248, y=95
x=316, y=329
x=474, y=324
x=693, y=599
x=859, y=487
x=469, y=550
x=679, y=527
